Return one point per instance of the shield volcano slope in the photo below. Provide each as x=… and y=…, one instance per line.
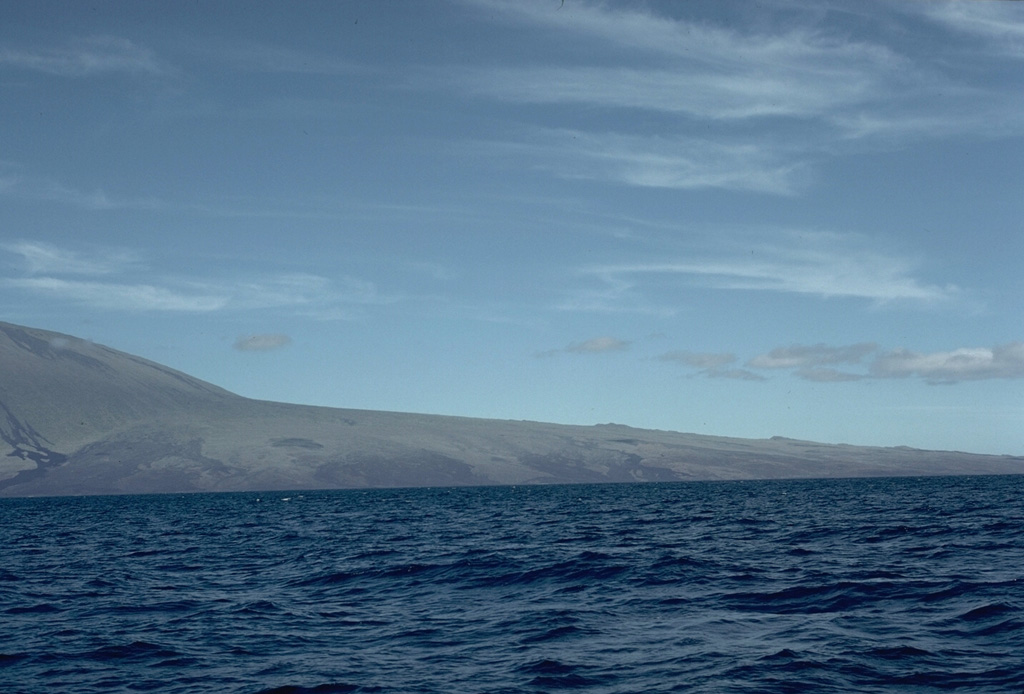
x=80, y=418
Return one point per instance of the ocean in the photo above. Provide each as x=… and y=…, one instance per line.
x=867, y=585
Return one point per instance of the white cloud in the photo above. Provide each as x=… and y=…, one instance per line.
x=700, y=69
x=598, y=345
x=703, y=95
x=129, y=285
x=998, y=24
x=963, y=364
x=300, y=289
x=121, y=296
x=44, y=258
x=804, y=356
x=711, y=364
x=816, y=263
x=813, y=90
x=309, y=295
x=262, y=343
x=84, y=58
x=815, y=362
x=666, y=162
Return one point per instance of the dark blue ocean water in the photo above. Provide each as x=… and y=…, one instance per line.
x=908, y=585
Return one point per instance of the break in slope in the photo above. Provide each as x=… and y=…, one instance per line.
x=80, y=418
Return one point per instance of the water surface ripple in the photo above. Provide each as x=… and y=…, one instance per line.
x=909, y=585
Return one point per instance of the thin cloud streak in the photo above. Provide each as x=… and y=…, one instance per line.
x=714, y=49
x=120, y=297
x=708, y=72
x=998, y=24
x=718, y=97
x=88, y=57
x=51, y=272
x=598, y=345
x=44, y=258
x=262, y=343
x=309, y=295
x=664, y=162
x=811, y=91
x=820, y=264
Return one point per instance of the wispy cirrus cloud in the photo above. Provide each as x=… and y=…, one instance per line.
x=310, y=295
x=121, y=280
x=88, y=57
x=43, y=258
x=822, y=264
x=119, y=296
x=810, y=89
x=718, y=96
x=999, y=25
x=665, y=162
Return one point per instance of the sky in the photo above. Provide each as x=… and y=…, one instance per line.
x=789, y=218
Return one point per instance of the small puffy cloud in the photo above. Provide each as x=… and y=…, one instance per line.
x=808, y=356
x=964, y=364
x=261, y=343
x=699, y=360
x=597, y=345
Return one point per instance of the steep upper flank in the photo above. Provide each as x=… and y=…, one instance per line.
x=45, y=377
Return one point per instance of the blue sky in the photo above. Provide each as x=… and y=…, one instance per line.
x=736, y=218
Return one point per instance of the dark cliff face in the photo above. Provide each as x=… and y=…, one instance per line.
x=81, y=418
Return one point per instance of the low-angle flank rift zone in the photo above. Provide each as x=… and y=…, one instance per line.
x=80, y=418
